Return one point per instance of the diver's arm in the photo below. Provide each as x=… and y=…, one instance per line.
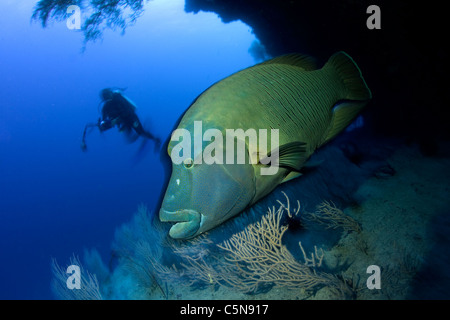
x=83, y=140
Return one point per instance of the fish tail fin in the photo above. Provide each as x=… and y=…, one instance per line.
x=355, y=94
x=350, y=75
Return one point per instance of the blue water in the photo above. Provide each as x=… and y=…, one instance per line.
x=55, y=200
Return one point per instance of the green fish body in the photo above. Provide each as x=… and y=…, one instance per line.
x=308, y=106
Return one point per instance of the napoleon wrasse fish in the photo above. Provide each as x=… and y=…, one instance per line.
x=308, y=106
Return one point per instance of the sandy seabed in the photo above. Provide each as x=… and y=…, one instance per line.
x=398, y=217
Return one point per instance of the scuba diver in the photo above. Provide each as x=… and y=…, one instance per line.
x=118, y=111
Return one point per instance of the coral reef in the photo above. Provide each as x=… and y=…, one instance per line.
x=257, y=256
x=330, y=216
x=193, y=267
x=89, y=286
x=137, y=246
x=252, y=260
x=265, y=257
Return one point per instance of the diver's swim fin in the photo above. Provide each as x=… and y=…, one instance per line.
x=83, y=146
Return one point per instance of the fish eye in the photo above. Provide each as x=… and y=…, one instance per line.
x=188, y=163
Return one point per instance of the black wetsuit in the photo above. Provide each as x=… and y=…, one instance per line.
x=121, y=112
x=118, y=111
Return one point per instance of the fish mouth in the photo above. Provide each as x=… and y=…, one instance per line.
x=187, y=222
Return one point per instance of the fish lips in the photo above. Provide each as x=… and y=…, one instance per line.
x=187, y=222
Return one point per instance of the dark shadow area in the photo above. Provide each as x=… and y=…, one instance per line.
x=433, y=279
x=404, y=62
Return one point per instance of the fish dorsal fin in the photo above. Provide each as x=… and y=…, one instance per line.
x=343, y=114
x=291, y=155
x=294, y=59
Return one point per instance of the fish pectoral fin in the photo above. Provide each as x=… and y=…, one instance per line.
x=291, y=175
x=307, y=167
x=291, y=156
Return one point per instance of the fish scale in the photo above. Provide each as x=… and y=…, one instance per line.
x=308, y=106
x=295, y=109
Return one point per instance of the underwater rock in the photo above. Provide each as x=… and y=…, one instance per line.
x=404, y=66
x=385, y=172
